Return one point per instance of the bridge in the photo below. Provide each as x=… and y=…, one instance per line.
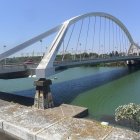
x=90, y=38
x=69, y=64
x=98, y=35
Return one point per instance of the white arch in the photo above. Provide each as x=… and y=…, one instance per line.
x=45, y=68
x=105, y=15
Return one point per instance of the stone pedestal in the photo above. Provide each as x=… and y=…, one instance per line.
x=43, y=96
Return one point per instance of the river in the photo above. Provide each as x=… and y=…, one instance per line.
x=100, y=89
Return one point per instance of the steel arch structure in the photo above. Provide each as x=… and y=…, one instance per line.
x=45, y=68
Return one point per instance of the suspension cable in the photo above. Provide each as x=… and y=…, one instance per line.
x=63, y=46
x=109, y=35
x=104, y=34
x=87, y=36
x=126, y=45
x=116, y=38
x=93, y=34
x=120, y=41
x=99, y=36
x=113, y=34
x=68, y=42
x=79, y=35
x=123, y=42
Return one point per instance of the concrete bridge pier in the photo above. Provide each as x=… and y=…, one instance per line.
x=43, y=96
x=133, y=63
x=130, y=62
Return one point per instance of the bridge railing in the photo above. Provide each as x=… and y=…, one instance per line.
x=96, y=60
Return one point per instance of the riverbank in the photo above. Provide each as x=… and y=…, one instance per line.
x=55, y=123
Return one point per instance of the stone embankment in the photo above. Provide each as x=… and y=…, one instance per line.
x=56, y=123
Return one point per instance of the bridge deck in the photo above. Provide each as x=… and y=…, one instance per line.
x=95, y=61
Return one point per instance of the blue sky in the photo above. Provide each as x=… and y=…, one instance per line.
x=21, y=20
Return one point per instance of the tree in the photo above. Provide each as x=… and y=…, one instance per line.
x=85, y=55
x=116, y=53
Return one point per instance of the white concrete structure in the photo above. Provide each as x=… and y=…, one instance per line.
x=45, y=68
x=134, y=50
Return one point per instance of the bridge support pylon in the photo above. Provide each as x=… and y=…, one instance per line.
x=43, y=96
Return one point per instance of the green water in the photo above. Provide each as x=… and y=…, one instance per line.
x=101, y=89
x=103, y=100
x=120, y=87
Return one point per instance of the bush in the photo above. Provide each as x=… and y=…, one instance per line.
x=130, y=112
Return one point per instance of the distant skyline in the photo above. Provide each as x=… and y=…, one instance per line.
x=21, y=20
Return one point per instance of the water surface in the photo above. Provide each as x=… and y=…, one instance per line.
x=101, y=89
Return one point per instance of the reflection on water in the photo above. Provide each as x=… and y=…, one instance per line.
x=102, y=89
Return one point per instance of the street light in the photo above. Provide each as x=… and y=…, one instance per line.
x=80, y=44
x=41, y=48
x=4, y=51
x=72, y=53
x=80, y=54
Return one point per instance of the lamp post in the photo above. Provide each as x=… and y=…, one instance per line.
x=41, y=49
x=4, y=51
x=89, y=54
x=101, y=50
x=80, y=54
x=80, y=51
x=72, y=53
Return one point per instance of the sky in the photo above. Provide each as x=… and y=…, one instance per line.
x=21, y=20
